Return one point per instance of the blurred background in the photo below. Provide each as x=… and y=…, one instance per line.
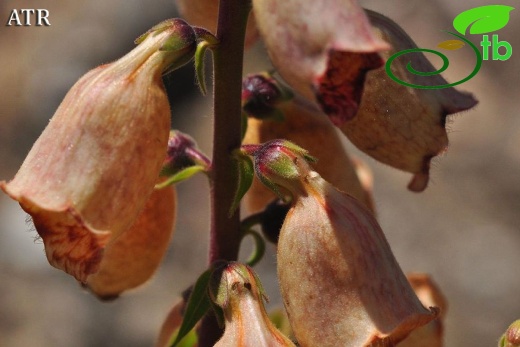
x=464, y=229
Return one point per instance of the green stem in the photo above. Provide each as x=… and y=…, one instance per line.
x=225, y=233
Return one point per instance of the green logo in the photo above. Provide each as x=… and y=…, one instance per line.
x=479, y=20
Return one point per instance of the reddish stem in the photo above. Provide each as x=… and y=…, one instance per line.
x=225, y=234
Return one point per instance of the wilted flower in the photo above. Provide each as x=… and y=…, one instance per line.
x=90, y=173
x=401, y=126
x=238, y=291
x=304, y=125
x=340, y=282
x=324, y=57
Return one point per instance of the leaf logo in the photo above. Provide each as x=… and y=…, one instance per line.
x=483, y=19
x=451, y=45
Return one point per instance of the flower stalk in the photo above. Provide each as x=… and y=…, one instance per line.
x=225, y=235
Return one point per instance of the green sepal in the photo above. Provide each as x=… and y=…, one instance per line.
x=246, y=173
x=197, y=306
x=271, y=185
x=158, y=28
x=205, y=35
x=200, y=73
x=180, y=176
x=176, y=44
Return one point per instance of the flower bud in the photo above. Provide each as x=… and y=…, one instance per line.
x=340, y=282
x=511, y=338
x=324, y=57
x=132, y=258
x=307, y=127
x=182, y=153
x=91, y=171
x=238, y=292
x=401, y=126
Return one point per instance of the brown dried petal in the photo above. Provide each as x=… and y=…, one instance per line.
x=132, y=258
x=324, y=57
x=398, y=125
x=92, y=169
x=204, y=13
x=309, y=128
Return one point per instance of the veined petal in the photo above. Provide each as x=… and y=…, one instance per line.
x=90, y=172
x=339, y=279
x=324, y=57
x=132, y=258
x=401, y=126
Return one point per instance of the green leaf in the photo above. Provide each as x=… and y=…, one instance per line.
x=451, y=45
x=483, y=19
x=191, y=339
x=198, y=305
x=180, y=176
x=246, y=174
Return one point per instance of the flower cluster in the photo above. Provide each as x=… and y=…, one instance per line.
x=98, y=181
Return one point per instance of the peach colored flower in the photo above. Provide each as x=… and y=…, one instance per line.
x=340, y=282
x=324, y=57
x=91, y=171
x=132, y=258
x=241, y=297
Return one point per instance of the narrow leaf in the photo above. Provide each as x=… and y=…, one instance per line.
x=180, y=176
x=197, y=306
x=483, y=19
x=246, y=174
x=451, y=45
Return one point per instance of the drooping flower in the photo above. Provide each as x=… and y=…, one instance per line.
x=401, y=126
x=239, y=293
x=324, y=57
x=91, y=171
x=302, y=123
x=340, y=282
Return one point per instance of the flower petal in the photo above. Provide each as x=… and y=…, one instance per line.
x=309, y=128
x=402, y=126
x=324, y=57
x=94, y=166
x=132, y=258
